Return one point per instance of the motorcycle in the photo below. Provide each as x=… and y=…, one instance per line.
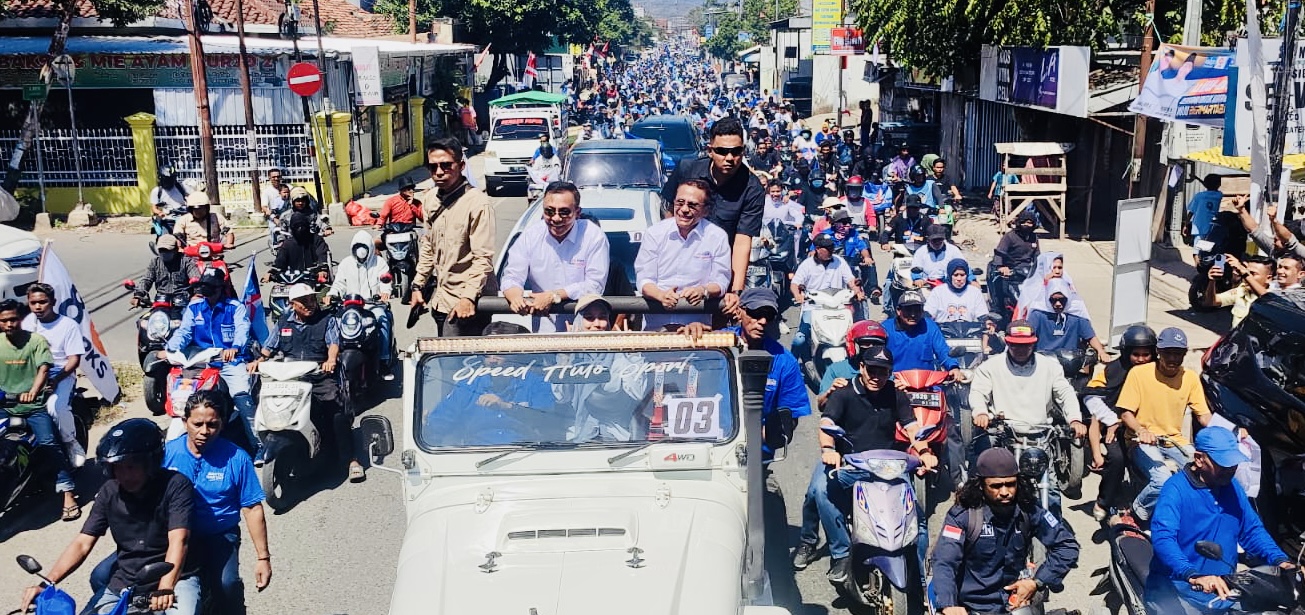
x=903, y=275
x=1004, y=291
x=924, y=388
x=209, y=254
x=830, y=317
x=884, y=527
x=783, y=259
x=17, y=446
x=284, y=424
x=359, y=341
x=152, y=332
x=319, y=277
x=401, y=254
x=198, y=371
x=760, y=272
x=1044, y=452
x=135, y=600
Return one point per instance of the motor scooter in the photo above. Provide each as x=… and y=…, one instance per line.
x=135, y=599
x=783, y=259
x=923, y=387
x=831, y=317
x=902, y=276
x=539, y=180
x=884, y=527
x=209, y=254
x=759, y=267
x=17, y=446
x=284, y=424
x=360, y=350
x=319, y=277
x=153, y=329
x=200, y=370
x=401, y=254
x=1042, y=451
x=1004, y=291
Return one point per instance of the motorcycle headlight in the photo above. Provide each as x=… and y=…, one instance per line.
x=887, y=469
x=158, y=325
x=1034, y=463
x=351, y=325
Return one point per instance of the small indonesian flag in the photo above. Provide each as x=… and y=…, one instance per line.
x=528, y=81
x=952, y=532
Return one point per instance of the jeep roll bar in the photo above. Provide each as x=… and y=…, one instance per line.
x=620, y=305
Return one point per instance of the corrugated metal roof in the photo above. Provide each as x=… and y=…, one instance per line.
x=37, y=45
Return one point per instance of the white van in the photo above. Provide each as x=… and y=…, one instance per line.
x=516, y=123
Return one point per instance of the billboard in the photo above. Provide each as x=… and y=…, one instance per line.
x=1053, y=79
x=1238, y=121
x=825, y=16
x=1187, y=84
x=846, y=41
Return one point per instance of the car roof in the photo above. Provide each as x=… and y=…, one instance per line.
x=663, y=120
x=616, y=145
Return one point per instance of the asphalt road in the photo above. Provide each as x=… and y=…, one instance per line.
x=335, y=552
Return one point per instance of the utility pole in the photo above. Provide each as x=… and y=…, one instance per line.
x=412, y=19
x=1282, y=99
x=251, y=136
x=199, y=77
x=1139, y=124
x=326, y=105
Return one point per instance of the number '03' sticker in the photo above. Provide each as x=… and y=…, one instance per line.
x=694, y=418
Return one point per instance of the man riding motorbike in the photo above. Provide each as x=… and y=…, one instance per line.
x=981, y=562
x=1136, y=347
x=201, y=225
x=1013, y=259
x=907, y=230
x=308, y=333
x=823, y=269
x=849, y=244
x=168, y=199
x=1022, y=386
x=169, y=273
x=360, y=274
x=303, y=249
x=919, y=184
x=210, y=321
x=933, y=256
x=916, y=341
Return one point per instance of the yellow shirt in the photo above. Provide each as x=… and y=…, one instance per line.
x=1160, y=402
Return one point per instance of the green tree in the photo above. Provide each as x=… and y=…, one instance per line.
x=753, y=20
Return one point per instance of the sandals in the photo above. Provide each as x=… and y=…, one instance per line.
x=71, y=513
x=356, y=473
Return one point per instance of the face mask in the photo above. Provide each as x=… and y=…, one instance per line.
x=208, y=291
x=361, y=252
x=169, y=256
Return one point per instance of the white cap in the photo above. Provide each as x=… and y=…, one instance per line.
x=300, y=290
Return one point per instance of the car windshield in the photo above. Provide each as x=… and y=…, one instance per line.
x=672, y=137
x=614, y=169
x=519, y=128
x=571, y=399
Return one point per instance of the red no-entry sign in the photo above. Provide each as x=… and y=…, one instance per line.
x=304, y=78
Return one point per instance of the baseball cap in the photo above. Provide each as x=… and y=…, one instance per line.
x=197, y=199
x=759, y=298
x=1221, y=446
x=1020, y=332
x=587, y=300
x=214, y=276
x=166, y=242
x=1172, y=337
x=298, y=192
x=996, y=462
x=840, y=215
x=936, y=231
x=877, y=355
x=910, y=297
x=823, y=241
x=913, y=200
x=300, y=290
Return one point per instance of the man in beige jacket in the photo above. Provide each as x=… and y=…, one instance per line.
x=458, y=248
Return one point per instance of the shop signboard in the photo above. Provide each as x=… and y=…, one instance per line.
x=368, y=86
x=147, y=70
x=1053, y=79
x=846, y=41
x=825, y=16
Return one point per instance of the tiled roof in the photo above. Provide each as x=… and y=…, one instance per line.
x=339, y=17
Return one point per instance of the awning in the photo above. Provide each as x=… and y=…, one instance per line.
x=1216, y=157
x=40, y=45
x=751, y=54
x=1034, y=148
x=529, y=97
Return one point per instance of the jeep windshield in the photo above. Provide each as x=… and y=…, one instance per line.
x=608, y=168
x=574, y=399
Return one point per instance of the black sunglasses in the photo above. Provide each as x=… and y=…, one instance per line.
x=728, y=151
x=444, y=166
x=549, y=212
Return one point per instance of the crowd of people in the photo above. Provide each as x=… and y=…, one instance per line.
x=765, y=177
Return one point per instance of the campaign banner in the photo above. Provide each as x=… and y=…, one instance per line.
x=1187, y=84
x=1239, y=123
x=95, y=364
x=846, y=41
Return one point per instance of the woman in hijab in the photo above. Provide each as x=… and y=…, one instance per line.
x=1056, y=327
x=1033, y=292
x=961, y=301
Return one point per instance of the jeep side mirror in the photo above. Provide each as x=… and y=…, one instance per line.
x=378, y=433
x=1209, y=550
x=29, y=564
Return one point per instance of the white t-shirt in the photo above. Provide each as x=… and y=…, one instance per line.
x=946, y=306
x=63, y=334
x=817, y=276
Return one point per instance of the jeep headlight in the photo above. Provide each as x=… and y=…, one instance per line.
x=351, y=325
x=887, y=469
x=158, y=325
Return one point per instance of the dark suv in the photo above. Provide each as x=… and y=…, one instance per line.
x=678, y=135
x=1255, y=376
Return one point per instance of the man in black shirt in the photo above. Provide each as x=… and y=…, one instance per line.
x=147, y=508
x=908, y=229
x=738, y=199
x=869, y=409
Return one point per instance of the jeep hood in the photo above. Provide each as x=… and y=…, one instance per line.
x=573, y=553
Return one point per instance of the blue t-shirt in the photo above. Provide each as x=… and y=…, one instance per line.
x=922, y=348
x=785, y=387
x=1203, y=207
x=1066, y=332
x=841, y=369
x=224, y=479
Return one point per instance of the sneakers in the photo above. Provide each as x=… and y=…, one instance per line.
x=839, y=569
x=387, y=376
x=804, y=555
x=258, y=457
x=76, y=454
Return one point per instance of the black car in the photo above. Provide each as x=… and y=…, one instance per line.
x=1255, y=376
x=679, y=136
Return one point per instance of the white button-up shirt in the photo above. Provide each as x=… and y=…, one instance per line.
x=935, y=265
x=786, y=211
x=667, y=260
x=577, y=264
x=813, y=275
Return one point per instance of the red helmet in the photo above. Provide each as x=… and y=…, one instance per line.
x=865, y=333
x=855, y=180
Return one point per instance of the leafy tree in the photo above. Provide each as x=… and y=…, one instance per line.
x=754, y=20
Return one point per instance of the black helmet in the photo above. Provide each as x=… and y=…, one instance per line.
x=1137, y=336
x=132, y=437
x=168, y=172
x=916, y=174
x=848, y=134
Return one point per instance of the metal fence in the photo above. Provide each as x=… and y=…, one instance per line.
x=285, y=146
x=107, y=157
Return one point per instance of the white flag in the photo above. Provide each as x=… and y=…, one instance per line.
x=95, y=364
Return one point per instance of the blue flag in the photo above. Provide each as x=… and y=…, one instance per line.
x=252, y=297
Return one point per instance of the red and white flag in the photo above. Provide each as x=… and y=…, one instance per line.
x=605, y=46
x=528, y=81
x=480, y=59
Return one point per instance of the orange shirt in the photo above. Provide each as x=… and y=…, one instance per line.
x=398, y=210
